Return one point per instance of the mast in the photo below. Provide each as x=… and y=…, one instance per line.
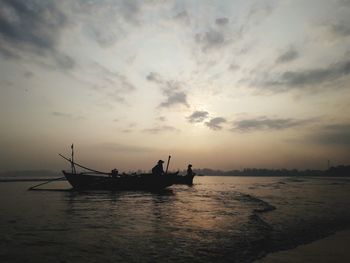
x=72, y=160
x=167, y=166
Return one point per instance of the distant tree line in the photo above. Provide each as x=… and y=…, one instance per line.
x=336, y=171
x=341, y=171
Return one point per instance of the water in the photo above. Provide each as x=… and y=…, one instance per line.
x=222, y=219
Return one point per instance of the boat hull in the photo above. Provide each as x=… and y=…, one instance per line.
x=183, y=179
x=148, y=182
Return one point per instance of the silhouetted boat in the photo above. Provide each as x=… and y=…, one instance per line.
x=97, y=180
x=183, y=179
x=148, y=182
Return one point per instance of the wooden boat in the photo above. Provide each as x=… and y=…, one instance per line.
x=183, y=179
x=97, y=181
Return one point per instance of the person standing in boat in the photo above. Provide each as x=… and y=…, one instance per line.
x=158, y=169
x=189, y=170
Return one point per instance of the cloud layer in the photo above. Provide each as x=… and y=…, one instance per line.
x=162, y=128
x=216, y=123
x=335, y=134
x=172, y=90
x=33, y=28
x=265, y=123
x=206, y=67
x=316, y=78
x=198, y=116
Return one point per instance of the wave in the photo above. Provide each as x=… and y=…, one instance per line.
x=262, y=206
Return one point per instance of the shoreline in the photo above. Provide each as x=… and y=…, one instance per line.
x=333, y=248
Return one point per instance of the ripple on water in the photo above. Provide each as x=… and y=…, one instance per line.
x=218, y=219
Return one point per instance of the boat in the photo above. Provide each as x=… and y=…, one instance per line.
x=97, y=180
x=183, y=179
x=109, y=181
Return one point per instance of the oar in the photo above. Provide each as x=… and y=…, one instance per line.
x=32, y=188
x=167, y=166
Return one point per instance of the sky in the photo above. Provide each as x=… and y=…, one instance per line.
x=219, y=84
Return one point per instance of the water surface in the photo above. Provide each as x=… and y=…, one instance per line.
x=222, y=219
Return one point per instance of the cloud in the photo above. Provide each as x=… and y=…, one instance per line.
x=126, y=128
x=264, y=123
x=233, y=67
x=314, y=78
x=161, y=119
x=228, y=38
x=336, y=29
x=112, y=85
x=340, y=29
x=61, y=114
x=130, y=10
x=32, y=27
x=63, y=61
x=183, y=17
x=108, y=21
x=216, y=123
x=221, y=21
x=28, y=23
x=210, y=39
x=155, y=77
x=123, y=82
x=174, y=97
x=28, y=74
x=171, y=89
x=258, y=11
x=198, y=116
x=8, y=53
x=336, y=134
x=66, y=115
x=287, y=56
x=122, y=148
x=159, y=129
x=113, y=79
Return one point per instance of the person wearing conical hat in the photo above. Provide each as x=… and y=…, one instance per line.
x=158, y=169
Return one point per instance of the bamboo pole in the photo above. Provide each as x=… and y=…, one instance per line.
x=81, y=166
x=32, y=188
x=167, y=166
